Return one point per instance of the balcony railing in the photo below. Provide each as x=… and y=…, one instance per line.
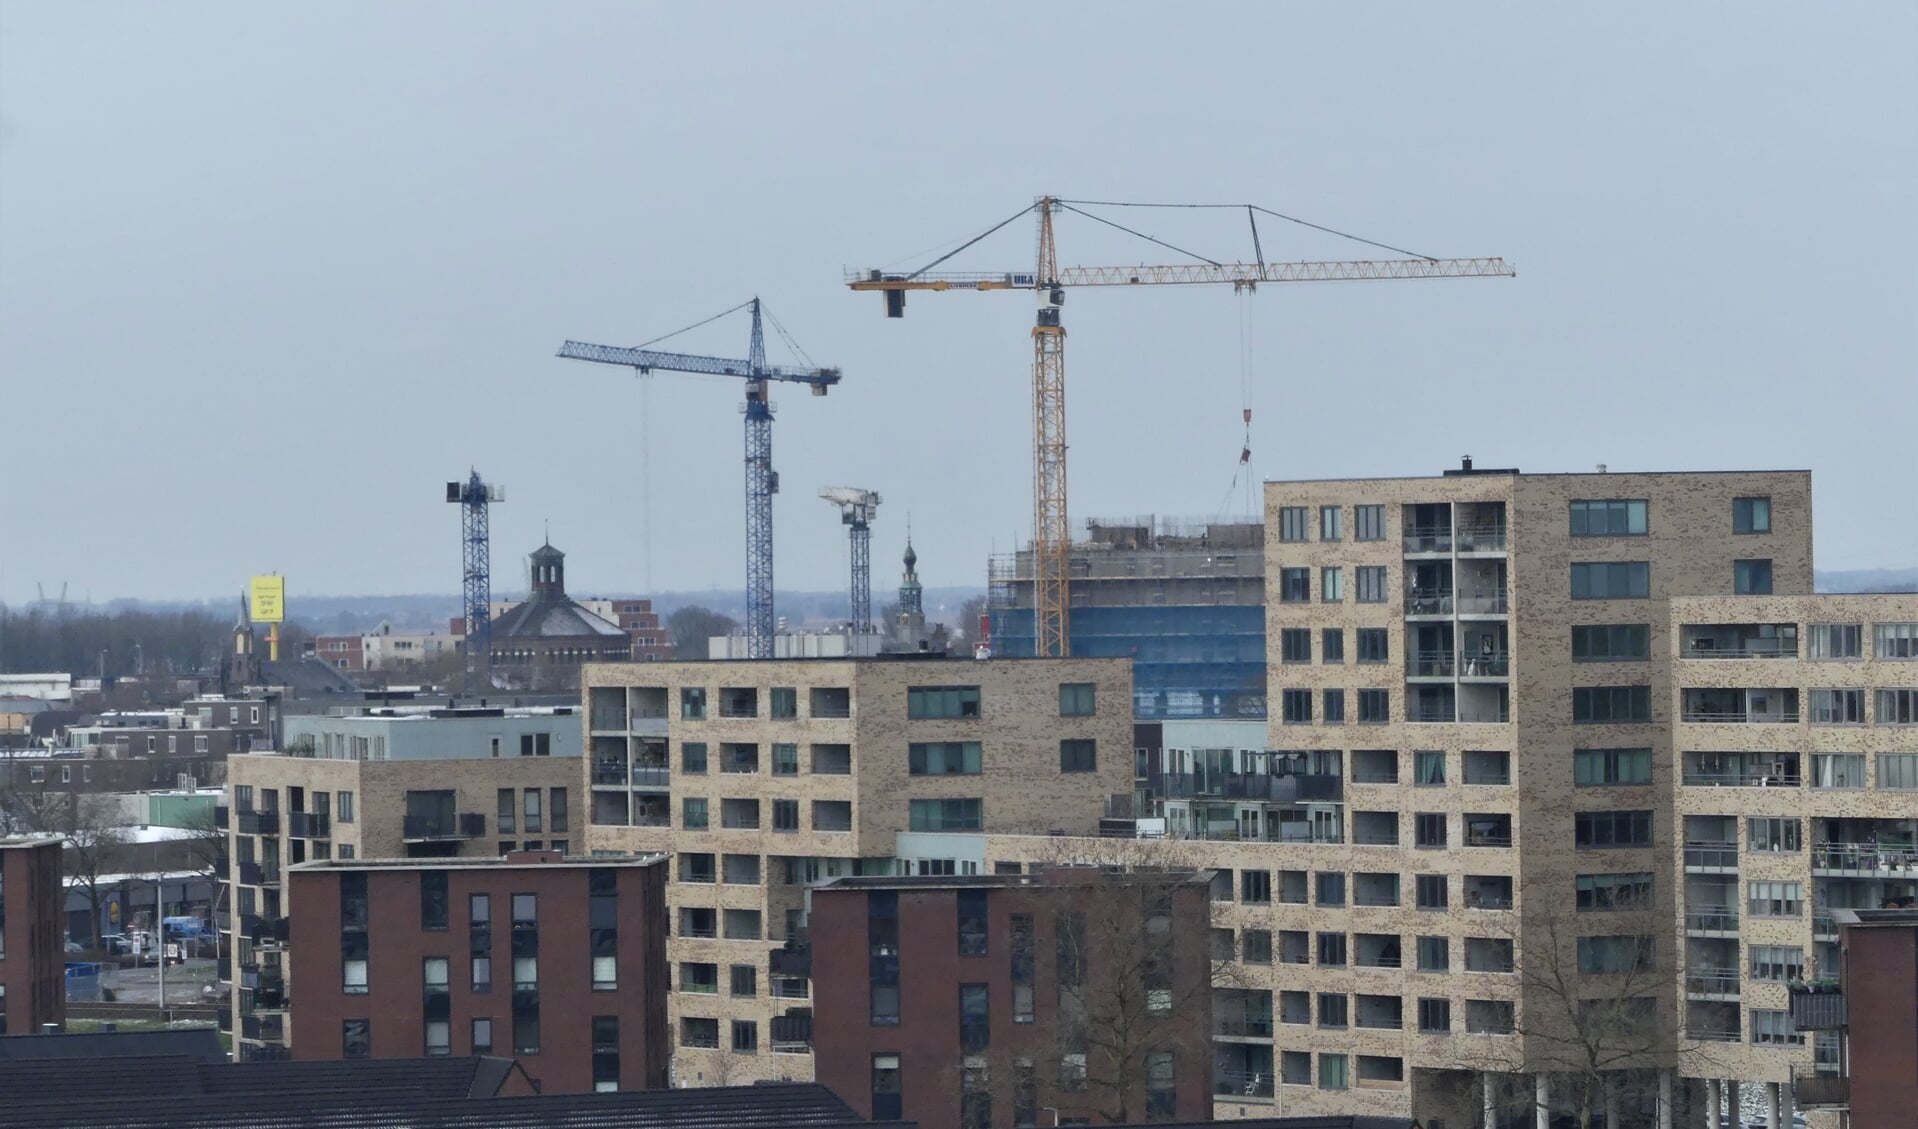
x=614, y=775
x=1864, y=857
x=1748, y=778
x=1430, y=664
x=259, y=823
x=1818, y=1090
x=466, y=825
x=1241, y=1084
x=1476, y=538
x=1297, y=788
x=1484, y=603
x=1711, y=854
x=1705, y=1034
x=1485, y=900
x=252, y=874
x=1711, y=919
x=1242, y=1026
x=1739, y=717
x=707, y=931
x=1712, y=981
x=1375, y=838
x=647, y=776
x=1817, y=1009
x=1742, y=649
x=1484, y=664
x=1378, y=962
x=1488, y=838
x=1428, y=601
x=1824, y=925
x=309, y=825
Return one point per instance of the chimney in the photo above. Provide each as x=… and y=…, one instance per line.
x=1465, y=463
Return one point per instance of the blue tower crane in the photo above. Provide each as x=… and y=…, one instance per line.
x=476, y=557
x=762, y=482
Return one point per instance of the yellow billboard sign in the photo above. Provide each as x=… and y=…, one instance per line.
x=267, y=599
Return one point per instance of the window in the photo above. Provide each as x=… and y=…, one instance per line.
x=694, y=814
x=1774, y=834
x=1602, y=955
x=1433, y=891
x=1611, y=642
x=1599, y=767
x=1329, y=523
x=973, y=933
x=1258, y=946
x=1255, y=887
x=1488, y=954
x=1332, y=645
x=530, y=809
x=1898, y=771
x=1161, y=1098
x=785, y=760
x=353, y=975
x=1295, y=1068
x=947, y=815
x=887, y=1096
x=1604, y=893
x=745, y=980
x=1488, y=1017
x=1895, y=640
x=1292, y=887
x=482, y=1035
x=785, y=703
x=434, y=910
x=1331, y=888
x=1296, y=706
x=1331, y=585
x=975, y=1017
x=1751, y=577
x=1435, y=1016
x=1368, y=523
x=1332, y=1075
x=1775, y=899
x=1611, y=580
x=1777, y=964
x=1751, y=515
x=1333, y=711
x=1382, y=1069
x=924, y=702
x=832, y=760
x=692, y=703
x=943, y=758
x=1077, y=699
x=1334, y=1007
x=1373, y=645
x=1837, y=770
x=1488, y=767
x=439, y=1037
x=1294, y=523
x=1371, y=582
x=695, y=1032
x=1429, y=828
x=1608, y=518
x=1599, y=705
x=1295, y=645
x=1837, y=707
x=1837, y=640
x=1434, y=954
x=745, y=1037
x=785, y=815
x=1774, y=1028
x=692, y=757
x=343, y=807
x=1295, y=585
x=356, y=1038
x=1078, y=755
x=1375, y=707
x=1428, y=767
x=1332, y=952
x=1897, y=707
x=1594, y=830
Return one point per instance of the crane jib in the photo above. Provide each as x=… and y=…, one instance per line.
x=648, y=359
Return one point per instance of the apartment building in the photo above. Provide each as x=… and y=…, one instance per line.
x=32, y=935
x=767, y=778
x=974, y=1001
x=557, y=963
x=472, y=782
x=1796, y=750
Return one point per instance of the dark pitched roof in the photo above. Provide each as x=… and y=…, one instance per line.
x=306, y=677
x=375, y=1094
x=546, y=615
x=193, y=1044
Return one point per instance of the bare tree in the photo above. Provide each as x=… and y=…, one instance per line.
x=692, y=625
x=94, y=848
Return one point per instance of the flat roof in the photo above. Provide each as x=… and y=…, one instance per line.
x=518, y=860
x=1060, y=877
x=29, y=841
x=1452, y=474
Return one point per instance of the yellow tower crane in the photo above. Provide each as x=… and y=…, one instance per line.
x=1051, y=540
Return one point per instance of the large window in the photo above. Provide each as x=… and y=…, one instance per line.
x=1332, y=645
x=1837, y=770
x=947, y=815
x=1295, y=645
x=1368, y=523
x=1611, y=580
x=1079, y=755
x=1488, y=1017
x=1837, y=640
x=1605, y=767
x=1611, y=642
x=1898, y=771
x=1615, y=517
x=1599, y=955
x=1777, y=964
x=943, y=758
x=1775, y=899
x=1375, y=707
x=1607, y=829
x=1077, y=699
x=1603, y=704
x=1295, y=585
x=1896, y=707
x=942, y=701
x=1606, y=893
x=1374, y=645
x=1837, y=707
x=1751, y=515
x=1329, y=523
x=1751, y=578
x=1895, y=640
x=1296, y=706
x=1371, y=582
x=1774, y=834
x=1295, y=523
x=1774, y=1029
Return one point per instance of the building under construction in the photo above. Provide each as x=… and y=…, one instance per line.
x=1184, y=599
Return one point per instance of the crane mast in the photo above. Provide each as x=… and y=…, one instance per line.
x=1052, y=531
x=762, y=482
x=856, y=509
x=474, y=496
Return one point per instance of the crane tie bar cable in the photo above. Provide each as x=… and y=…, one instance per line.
x=1141, y=235
x=1267, y=211
x=695, y=325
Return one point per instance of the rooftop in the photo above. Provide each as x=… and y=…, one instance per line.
x=1054, y=877
x=29, y=841
x=518, y=860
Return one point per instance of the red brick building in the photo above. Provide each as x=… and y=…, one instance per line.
x=1878, y=1015
x=558, y=963
x=652, y=642
x=961, y=1003
x=32, y=940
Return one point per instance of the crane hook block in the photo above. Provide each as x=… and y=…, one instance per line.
x=895, y=303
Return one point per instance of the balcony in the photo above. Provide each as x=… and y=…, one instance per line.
x=1480, y=536
x=1769, y=706
x=791, y=960
x=1738, y=641
x=1705, y=981
x=309, y=825
x=610, y=774
x=1262, y=787
x=429, y=828
x=1742, y=770
x=266, y=931
x=1430, y=664
x=1494, y=601
x=1864, y=858
x=830, y=702
x=1817, y=1007
x=1428, y=602
x=1242, y=1025
x=1711, y=919
x=1238, y=1084
x=1817, y=1090
x=252, y=874
x=1824, y=927
x=1702, y=854
x=263, y=1028
x=259, y=823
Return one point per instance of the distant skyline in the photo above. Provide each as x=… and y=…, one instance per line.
x=271, y=275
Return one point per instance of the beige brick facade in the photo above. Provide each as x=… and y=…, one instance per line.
x=834, y=738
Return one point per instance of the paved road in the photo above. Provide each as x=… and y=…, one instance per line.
x=142, y=985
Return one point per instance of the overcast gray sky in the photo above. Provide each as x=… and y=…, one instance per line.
x=271, y=274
